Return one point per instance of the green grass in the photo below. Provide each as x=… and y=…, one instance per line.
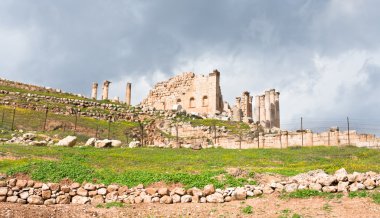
x=110, y=205
x=358, y=194
x=186, y=166
x=247, y=210
x=306, y=193
x=375, y=195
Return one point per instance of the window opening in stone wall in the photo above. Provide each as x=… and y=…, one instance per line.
x=204, y=101
x=192, y=102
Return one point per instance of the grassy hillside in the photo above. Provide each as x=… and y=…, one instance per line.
x=192, y=168
x=61, y=125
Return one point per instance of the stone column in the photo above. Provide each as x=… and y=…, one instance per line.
x=268, y=117
x=262, y=111
x=257, y=108
x=94, y=91
x=277, y=106
x=128, y=94
x=106, y=86
x=272, y=107
x=245, y=104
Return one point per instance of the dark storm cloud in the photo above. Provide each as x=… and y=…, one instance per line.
x=314, y=52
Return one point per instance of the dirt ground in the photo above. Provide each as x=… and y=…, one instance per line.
x=269, y=206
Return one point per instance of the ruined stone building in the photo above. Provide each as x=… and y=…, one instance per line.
x=242, y=111
x=267, y=109
x=195, y=93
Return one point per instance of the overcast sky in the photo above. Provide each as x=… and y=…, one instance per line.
x=322, y=55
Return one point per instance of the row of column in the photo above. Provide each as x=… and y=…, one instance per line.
x=105, y=91
x=267, y=109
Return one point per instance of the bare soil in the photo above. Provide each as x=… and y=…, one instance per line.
x=268, y=206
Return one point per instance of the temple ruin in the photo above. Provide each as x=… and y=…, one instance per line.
x=267, y=109
x=194, y=93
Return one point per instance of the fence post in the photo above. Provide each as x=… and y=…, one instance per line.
x=2, y=118
x=13, y=118
x=76, y=121
x=109, y=129
x=302, y=131
x=96, y=133
x=348, y=131
x=46, y=114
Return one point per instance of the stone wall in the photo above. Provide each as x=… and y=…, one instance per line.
x=205, y=137
x=5, y=82
x=195, y=93
x=38, y=193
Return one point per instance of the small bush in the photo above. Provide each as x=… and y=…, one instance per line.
x=247, y=209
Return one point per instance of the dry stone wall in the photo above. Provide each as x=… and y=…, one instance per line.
x=32, y=192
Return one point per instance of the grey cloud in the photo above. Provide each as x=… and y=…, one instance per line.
x=255, y=44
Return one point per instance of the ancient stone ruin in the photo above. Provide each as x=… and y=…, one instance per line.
x=194, y=93
x=267, y=109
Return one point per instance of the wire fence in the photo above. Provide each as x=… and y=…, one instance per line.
x=361, y=125
x=73, y=124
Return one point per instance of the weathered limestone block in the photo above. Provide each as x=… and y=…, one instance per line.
x=69, y=141
x=35, y=199
x=209, y=189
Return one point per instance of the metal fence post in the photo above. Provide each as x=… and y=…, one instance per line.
x=13, y=118
x=45, y=121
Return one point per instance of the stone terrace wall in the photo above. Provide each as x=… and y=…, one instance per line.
x=204, y=136
x=5, y=82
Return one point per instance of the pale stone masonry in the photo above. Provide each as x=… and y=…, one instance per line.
x=195, y=93
x=243, y=108
x=267, y=109
x=94, y=91
x=106, y=86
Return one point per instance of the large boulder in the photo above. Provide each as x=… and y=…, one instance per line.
x=35, y=199
x=134, y=144
x=80, y=199
x=341, y=174
x=215, y=198
x=90, y=142
x=116, y=143
x=209, y=189
x=103, y=143
x=29, y=136
x=69, y=141
x=239, y=194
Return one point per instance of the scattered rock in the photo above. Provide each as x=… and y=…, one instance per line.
x=69, y=141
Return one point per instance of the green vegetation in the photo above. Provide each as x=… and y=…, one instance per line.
x=186, y=166
x=288, y=214
x=327, y=207
x=110, y=205
x=358, y=194
x=364, y=194
x=247, y=210
x=306, y=193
